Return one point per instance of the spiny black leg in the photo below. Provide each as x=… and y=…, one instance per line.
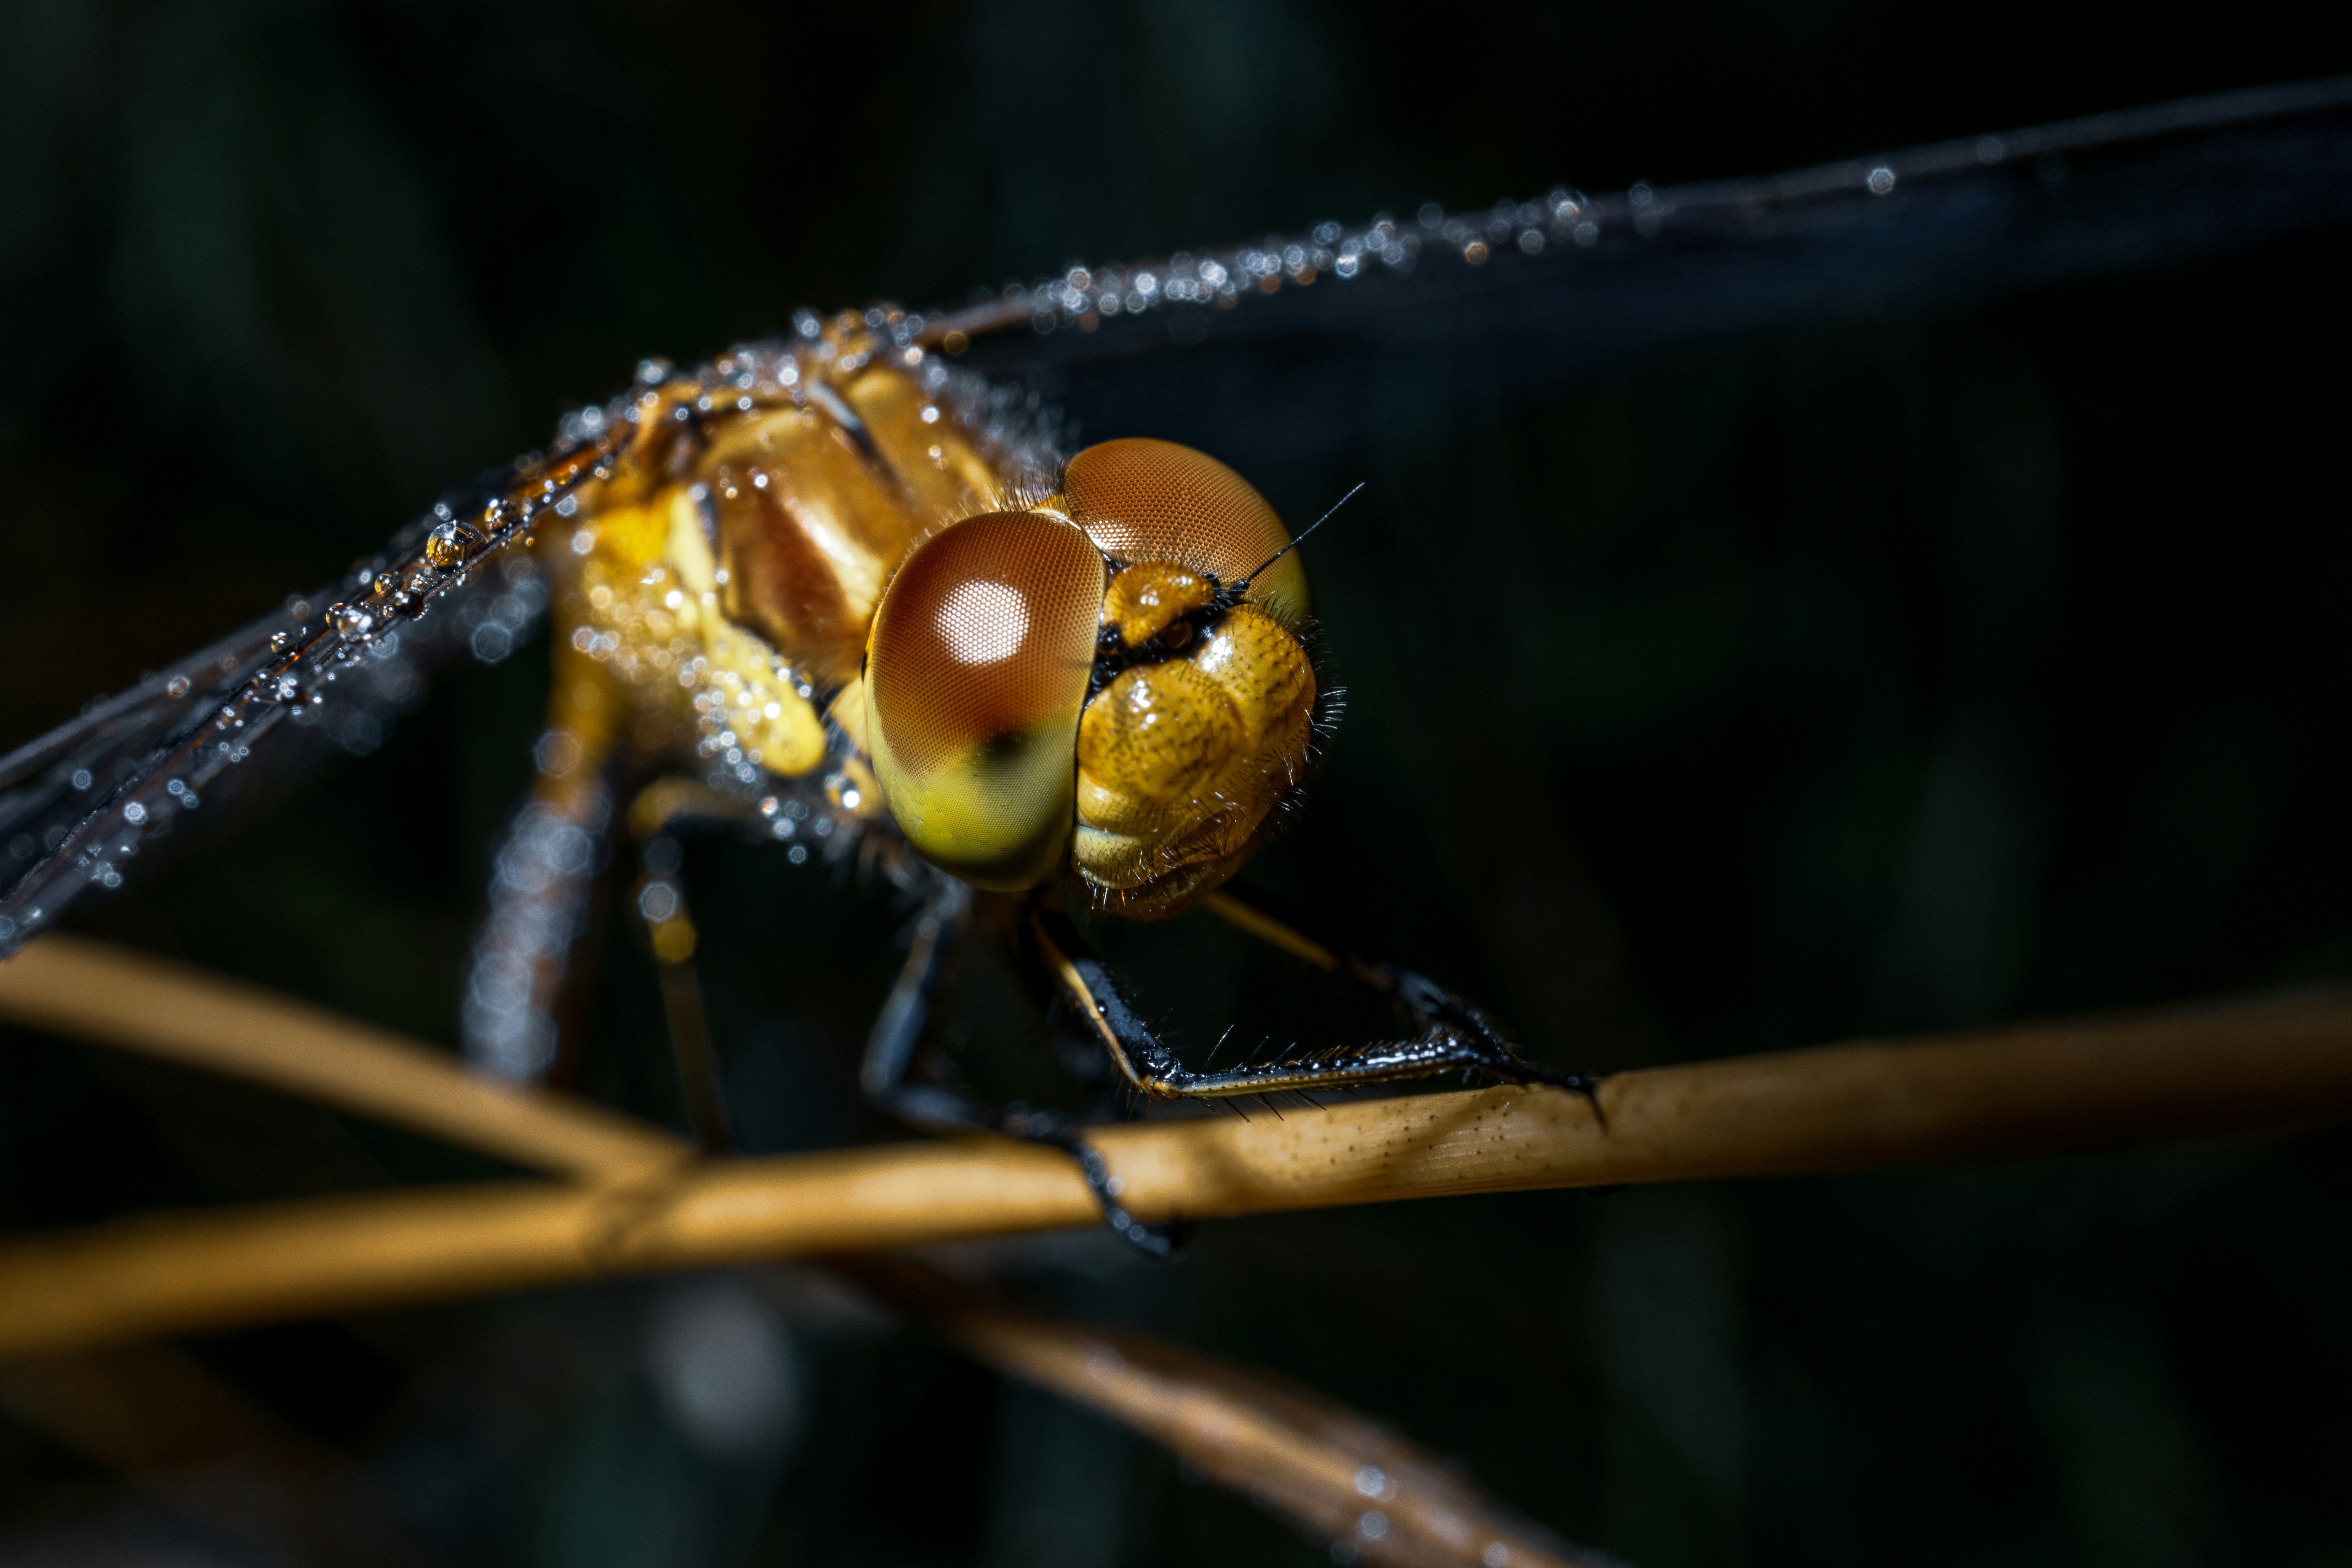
x=1298, y=933
x=1436, y=1008
x=1162, y=1241
x=890, y=1049
x=1141, y=1059
x=1454, y=1035
x=899, y=1029
x=1113, y=1096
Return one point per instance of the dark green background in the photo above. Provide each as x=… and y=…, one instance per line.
x=1901, y=675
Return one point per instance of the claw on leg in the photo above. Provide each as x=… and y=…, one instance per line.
x=1160, y=1241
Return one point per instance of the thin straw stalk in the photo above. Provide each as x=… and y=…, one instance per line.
x=113, y=997
x=2033, y=1089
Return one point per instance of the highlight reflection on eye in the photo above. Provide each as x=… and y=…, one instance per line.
x=982, y=622
x=976, y=673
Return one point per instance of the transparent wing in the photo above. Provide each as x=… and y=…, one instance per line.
x=330, y=669
x=1332, y=341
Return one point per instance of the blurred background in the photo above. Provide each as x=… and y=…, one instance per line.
x=1895, y=675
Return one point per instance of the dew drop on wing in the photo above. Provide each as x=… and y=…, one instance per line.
x=450, y=544
x=119, y=745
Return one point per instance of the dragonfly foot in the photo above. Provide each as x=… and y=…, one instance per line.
x=1521, y=1070
x=1160, y=1241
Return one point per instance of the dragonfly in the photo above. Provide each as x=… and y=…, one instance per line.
x=829, y=592
x=846, y=591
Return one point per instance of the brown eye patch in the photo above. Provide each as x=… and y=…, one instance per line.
x=986, y=632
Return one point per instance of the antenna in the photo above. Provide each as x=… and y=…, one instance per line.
x=1294, y=543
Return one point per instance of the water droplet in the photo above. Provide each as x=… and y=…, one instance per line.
x=176, y=687
x=349, y=622
x=1882, y=180
x=134, y=814
x=81, y=778
x=448, y=545
x=280, y=641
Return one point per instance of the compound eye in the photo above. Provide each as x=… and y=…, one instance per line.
x=975, y=672
x=1141, y=499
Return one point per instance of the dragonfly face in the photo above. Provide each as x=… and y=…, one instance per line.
x=1099, y=679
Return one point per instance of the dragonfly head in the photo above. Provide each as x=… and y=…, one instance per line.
x=1114, y=680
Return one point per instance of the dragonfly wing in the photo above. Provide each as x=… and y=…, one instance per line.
x=329, y=671
x=37, y=779
x=1333, y=341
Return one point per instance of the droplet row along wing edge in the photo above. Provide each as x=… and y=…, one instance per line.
x=82, y=800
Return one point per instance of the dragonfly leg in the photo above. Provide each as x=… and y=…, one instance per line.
x=938, y=930
x=1432, y=1005
x=658, y=903
x=942, y=924
x=542, y=875
x=1452, y=1036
